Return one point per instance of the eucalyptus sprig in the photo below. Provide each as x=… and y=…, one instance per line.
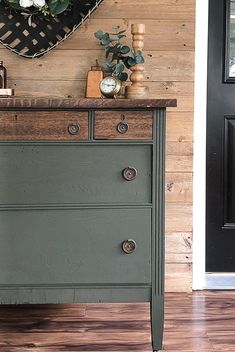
x=117, y=56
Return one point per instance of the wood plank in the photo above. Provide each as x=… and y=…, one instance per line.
x=78, y=326
x=189, y=344
x=172, y=88
x=160, y=65
x=151, y=9
x=179, y=148
x=81, y=338
x=124, y=347
x=178, y=242
x=178, y=248
x=179, y=126
x=121, y=312
x=178, y=187
x=76, y=88
x=177, y=163
x=178, y=277
x=175, y=65
x=178, y=258
x=161, y=34
x=178, y=217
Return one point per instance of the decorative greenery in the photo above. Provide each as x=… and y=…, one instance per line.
x=117, y=56
x=30, y=8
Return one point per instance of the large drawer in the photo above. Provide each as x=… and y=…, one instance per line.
x=73, y=174
x=43, y=125
x=123, y=125
x=74, y=246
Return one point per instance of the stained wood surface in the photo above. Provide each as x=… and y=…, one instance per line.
x=159, y=65
x=139, y=124
x=76, y=88
x=82, y=103
x=176, y=34
x=169, y=64
x=151, y=9
x=26, y=125
x=202, y=321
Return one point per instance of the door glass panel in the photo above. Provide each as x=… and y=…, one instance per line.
x=230, y=42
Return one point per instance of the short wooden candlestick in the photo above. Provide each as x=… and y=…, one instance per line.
x=137, y=89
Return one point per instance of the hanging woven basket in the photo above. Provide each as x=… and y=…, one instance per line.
x=45, y=33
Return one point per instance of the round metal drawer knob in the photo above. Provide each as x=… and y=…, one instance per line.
x=129, y=173
x=73, y=128
x=122, y=127
x=129, y=246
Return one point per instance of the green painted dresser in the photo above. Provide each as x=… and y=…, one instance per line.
x=82, y=202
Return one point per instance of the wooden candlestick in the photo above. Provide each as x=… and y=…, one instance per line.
x=137, y=90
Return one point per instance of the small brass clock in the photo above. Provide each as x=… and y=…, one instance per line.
x=110, y=86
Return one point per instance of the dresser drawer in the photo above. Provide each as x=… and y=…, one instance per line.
x=123, y=125
x=74, y=246
x=43, y=125
x=65, y=173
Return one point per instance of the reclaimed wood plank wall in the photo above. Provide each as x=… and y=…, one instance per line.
x=169, y=53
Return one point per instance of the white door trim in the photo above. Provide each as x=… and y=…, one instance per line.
x=199, y=162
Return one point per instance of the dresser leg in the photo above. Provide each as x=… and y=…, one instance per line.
x=157, y=322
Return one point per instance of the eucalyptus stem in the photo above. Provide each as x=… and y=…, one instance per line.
x=118, y=57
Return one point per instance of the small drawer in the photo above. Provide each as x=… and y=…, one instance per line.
x=43, y=125
x=123, y=125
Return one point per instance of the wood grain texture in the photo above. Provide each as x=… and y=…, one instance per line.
x=178, y=187
x=179, y=247
x=197, y=321
x=159, y=65
x=139, y=125
x=153, y=9
x=76, y=88
x=18, y=125
x=162, y=34
x=83, y=103
x=179, y=163
x=179, y=148
x=179, y=126
x=182, y=215
x=178, y=277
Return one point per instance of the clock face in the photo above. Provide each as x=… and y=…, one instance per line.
x=108, y=85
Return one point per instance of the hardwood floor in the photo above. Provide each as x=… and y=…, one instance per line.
x=202, y=321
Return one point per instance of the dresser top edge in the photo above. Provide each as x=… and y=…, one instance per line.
x=82, y=103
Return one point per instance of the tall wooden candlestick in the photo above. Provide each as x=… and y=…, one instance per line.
x=137, y=89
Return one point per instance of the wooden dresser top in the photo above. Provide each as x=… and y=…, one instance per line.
x=54, y=103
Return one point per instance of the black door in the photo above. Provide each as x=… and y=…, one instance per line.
x=220, y=217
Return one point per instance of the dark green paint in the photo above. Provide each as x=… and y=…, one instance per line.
x=61, y=295
x=65, y=210
x=74, y=246
x=158, y=228
x=49, y=174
